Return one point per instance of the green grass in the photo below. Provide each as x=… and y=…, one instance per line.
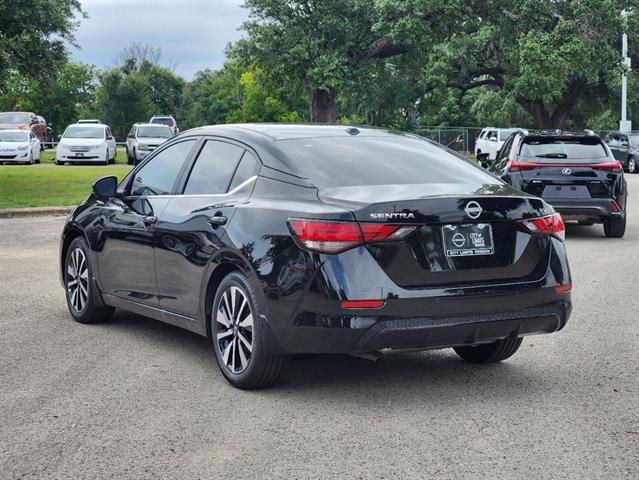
x=41, y=186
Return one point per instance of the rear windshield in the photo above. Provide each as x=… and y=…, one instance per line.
x=504, y=134
x=155, y=132
x=14, y=118
x=163, y=120
x=573, y=149
x=84, y=132
x=378, y=160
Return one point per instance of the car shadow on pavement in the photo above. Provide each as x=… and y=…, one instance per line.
x=438, y=372
x=584, y=231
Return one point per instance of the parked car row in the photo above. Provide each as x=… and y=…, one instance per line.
x=27, y=121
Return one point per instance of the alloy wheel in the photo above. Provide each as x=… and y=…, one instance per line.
x=632, y=165
x=77, y=280
x=234, y=320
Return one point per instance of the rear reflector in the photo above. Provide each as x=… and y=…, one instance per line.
x=550, y=225
x=563, y=288
x=335, y=237
x=351, y=304
x=614, y=206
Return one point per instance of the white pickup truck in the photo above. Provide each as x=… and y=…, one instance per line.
x=490, y=141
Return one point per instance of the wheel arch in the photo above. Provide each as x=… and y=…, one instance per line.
x=221, y=266
x=71, y=232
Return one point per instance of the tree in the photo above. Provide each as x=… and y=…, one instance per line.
x=33, y=35
x=210, y=97
x=257, y=104
x=122, y=100
x=137, y=89
x=60, y=99
x=543, y=56
x=318, y=46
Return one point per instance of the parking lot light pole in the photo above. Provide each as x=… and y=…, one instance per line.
x=625, y=125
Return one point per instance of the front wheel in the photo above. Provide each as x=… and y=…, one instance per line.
x=82, y=298
x=237, y=332
x=490, y=352
x=615, y=227
x=632, y=165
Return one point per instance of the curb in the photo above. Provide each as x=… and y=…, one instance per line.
x=34, y=212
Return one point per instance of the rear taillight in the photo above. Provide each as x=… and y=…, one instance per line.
x=550, y=225
x=335, y=237
x=515, y=166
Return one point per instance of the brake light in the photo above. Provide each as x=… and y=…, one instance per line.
x=612, y=167
x=550, y=225
x=515, y=166
x=334, y=237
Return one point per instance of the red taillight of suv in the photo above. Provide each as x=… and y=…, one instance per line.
x=549, y=225
x=515, y=166
x=326, y=236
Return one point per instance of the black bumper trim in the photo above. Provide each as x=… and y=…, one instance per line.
x=430, y=332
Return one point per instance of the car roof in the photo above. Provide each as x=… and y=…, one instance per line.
x=84, y=125
x=14, y=130
x=263, y=137
x=154, y=125
x=291, y=131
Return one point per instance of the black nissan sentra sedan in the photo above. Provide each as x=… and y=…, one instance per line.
x=274, y=240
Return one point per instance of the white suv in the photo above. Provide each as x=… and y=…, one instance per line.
x=86, y=142
x=168, y=121
x=143, y=139
x=490, y=141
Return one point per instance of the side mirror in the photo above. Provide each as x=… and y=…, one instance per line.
x=105, y=188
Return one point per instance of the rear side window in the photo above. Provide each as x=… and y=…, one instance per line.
x=158, y=176
x=561, y=147
x=213, y=169
x=245, y=170
x=378, y=160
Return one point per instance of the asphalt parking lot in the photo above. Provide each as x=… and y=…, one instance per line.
x=135, y=398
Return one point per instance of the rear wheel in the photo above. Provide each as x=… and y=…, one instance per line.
x=490, y=352
x=82, y=297
x=238, y=338
x=615, y=227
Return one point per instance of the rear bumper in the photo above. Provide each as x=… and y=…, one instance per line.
x=593, y=209
x=368, y=332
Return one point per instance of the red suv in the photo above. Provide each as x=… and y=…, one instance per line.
x=24, y=121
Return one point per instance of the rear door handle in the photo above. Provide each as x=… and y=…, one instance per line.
x=217, y=220
x=151, y=220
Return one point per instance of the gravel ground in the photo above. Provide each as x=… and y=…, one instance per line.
x=135, y=398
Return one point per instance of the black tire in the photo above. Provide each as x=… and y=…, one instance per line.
x=490, y=352
x=59, y=164
x=260, y=369
x=129, y=159
x=91, y=310
x=615, y=227
x=632, y=165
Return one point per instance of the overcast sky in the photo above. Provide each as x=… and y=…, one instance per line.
x=191, y=33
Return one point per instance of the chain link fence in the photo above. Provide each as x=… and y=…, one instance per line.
x=462, y=139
